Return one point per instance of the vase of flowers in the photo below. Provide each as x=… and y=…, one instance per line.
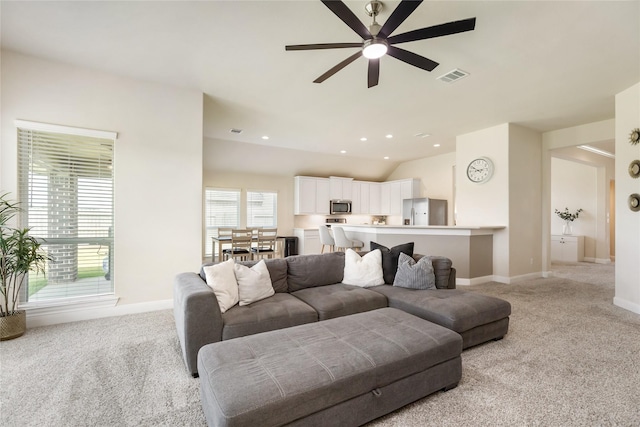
x=568, y=218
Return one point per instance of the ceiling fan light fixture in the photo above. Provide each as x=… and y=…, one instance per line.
x=374, y=48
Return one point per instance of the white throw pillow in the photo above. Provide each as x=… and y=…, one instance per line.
x=363, y=271
x=222, y=279
x=254, y=283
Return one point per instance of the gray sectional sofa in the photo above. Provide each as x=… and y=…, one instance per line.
x=309, y=288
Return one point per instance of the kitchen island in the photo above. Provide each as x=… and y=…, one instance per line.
x=470, y=248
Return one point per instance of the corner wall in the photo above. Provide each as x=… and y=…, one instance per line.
x=627, y=294
x=158, y=162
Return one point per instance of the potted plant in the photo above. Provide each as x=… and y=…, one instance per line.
x=19, y=254
x=568, y=218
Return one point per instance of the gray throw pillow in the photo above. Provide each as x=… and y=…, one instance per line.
x=414, y=275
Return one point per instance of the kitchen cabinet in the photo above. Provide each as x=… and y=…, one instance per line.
x=392, y=193
x=311, y=195
x=340, y=188
x=567, y=248
x=308, y=240
x=374, y=198
x=360, y=197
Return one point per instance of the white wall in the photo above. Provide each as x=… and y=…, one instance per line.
x=436, y=177
x=574, y=185
x=552, y=142
x=627, y=293
x=525, y=188
x=487, y=203
x=158, y=161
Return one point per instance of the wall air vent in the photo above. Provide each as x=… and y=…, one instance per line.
x=235, y=130
x=453, y=75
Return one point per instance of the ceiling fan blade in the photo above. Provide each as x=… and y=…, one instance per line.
x=402, y=12
x=321, y=46
x=346, y=15
x=338, y=67
x=374, y=72
x=412, y=58
x=435, y=31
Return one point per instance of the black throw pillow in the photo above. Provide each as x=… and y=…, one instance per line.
x=390, y=258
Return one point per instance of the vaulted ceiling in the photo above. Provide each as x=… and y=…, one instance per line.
x=542, y=64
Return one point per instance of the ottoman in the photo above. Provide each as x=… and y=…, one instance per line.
x=343, y=371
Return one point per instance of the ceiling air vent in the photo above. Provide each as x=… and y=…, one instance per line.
x=453, y=75
x=235, y=130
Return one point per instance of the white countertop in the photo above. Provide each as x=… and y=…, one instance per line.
x=452, y=230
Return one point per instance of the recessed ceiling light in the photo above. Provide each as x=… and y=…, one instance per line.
x=343, y=151
x=386, y=157
x=389, y=136
x=265, y=137
x=423, y=135
x=436, y=145
x=363, y=139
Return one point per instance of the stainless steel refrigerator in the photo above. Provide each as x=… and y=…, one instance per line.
x=424, y=211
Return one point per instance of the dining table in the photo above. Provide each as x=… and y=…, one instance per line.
x=221, y=241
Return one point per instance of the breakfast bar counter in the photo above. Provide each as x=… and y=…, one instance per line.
x=470, y=248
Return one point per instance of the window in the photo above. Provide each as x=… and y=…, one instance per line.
x=65, y=186
x=262, y=209
x=221, y=209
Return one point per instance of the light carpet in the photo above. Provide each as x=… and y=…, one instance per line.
x=571, y=358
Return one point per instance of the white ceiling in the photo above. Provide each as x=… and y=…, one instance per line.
x=544, y=65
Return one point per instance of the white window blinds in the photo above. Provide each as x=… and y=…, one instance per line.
x=262, y=209
x=66, y=194
x=222, y=209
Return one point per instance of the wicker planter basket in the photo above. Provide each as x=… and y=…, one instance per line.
x=13, y=326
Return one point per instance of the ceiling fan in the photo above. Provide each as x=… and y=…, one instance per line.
x=377, y=40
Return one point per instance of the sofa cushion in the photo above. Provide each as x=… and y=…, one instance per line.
x=455, y=309
x=277, y=271
x=222, y=279
x=441, y=269
x=254, y=283
x=390, y=258
x=364, y=270
x=340, y=300
x=276, y=312
x=306, y=271
x=414, y=275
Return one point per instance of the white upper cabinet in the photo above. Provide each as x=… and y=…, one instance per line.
x=311, y=195
x=341, y=188
x=392, y=193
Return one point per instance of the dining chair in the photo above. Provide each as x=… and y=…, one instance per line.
x=343, y=242
x=266, y=246
x=326, y=239
x=220, y=232
x=240, y=245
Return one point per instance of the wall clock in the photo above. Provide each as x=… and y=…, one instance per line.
x=480, y=170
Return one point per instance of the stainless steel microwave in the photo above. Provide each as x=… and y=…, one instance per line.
x=339, y=207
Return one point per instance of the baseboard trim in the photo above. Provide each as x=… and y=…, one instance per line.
x=65, y=314
x=627, y=305
x=474, y=281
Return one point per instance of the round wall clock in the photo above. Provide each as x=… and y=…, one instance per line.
x=480, y=170
x=634, y=169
